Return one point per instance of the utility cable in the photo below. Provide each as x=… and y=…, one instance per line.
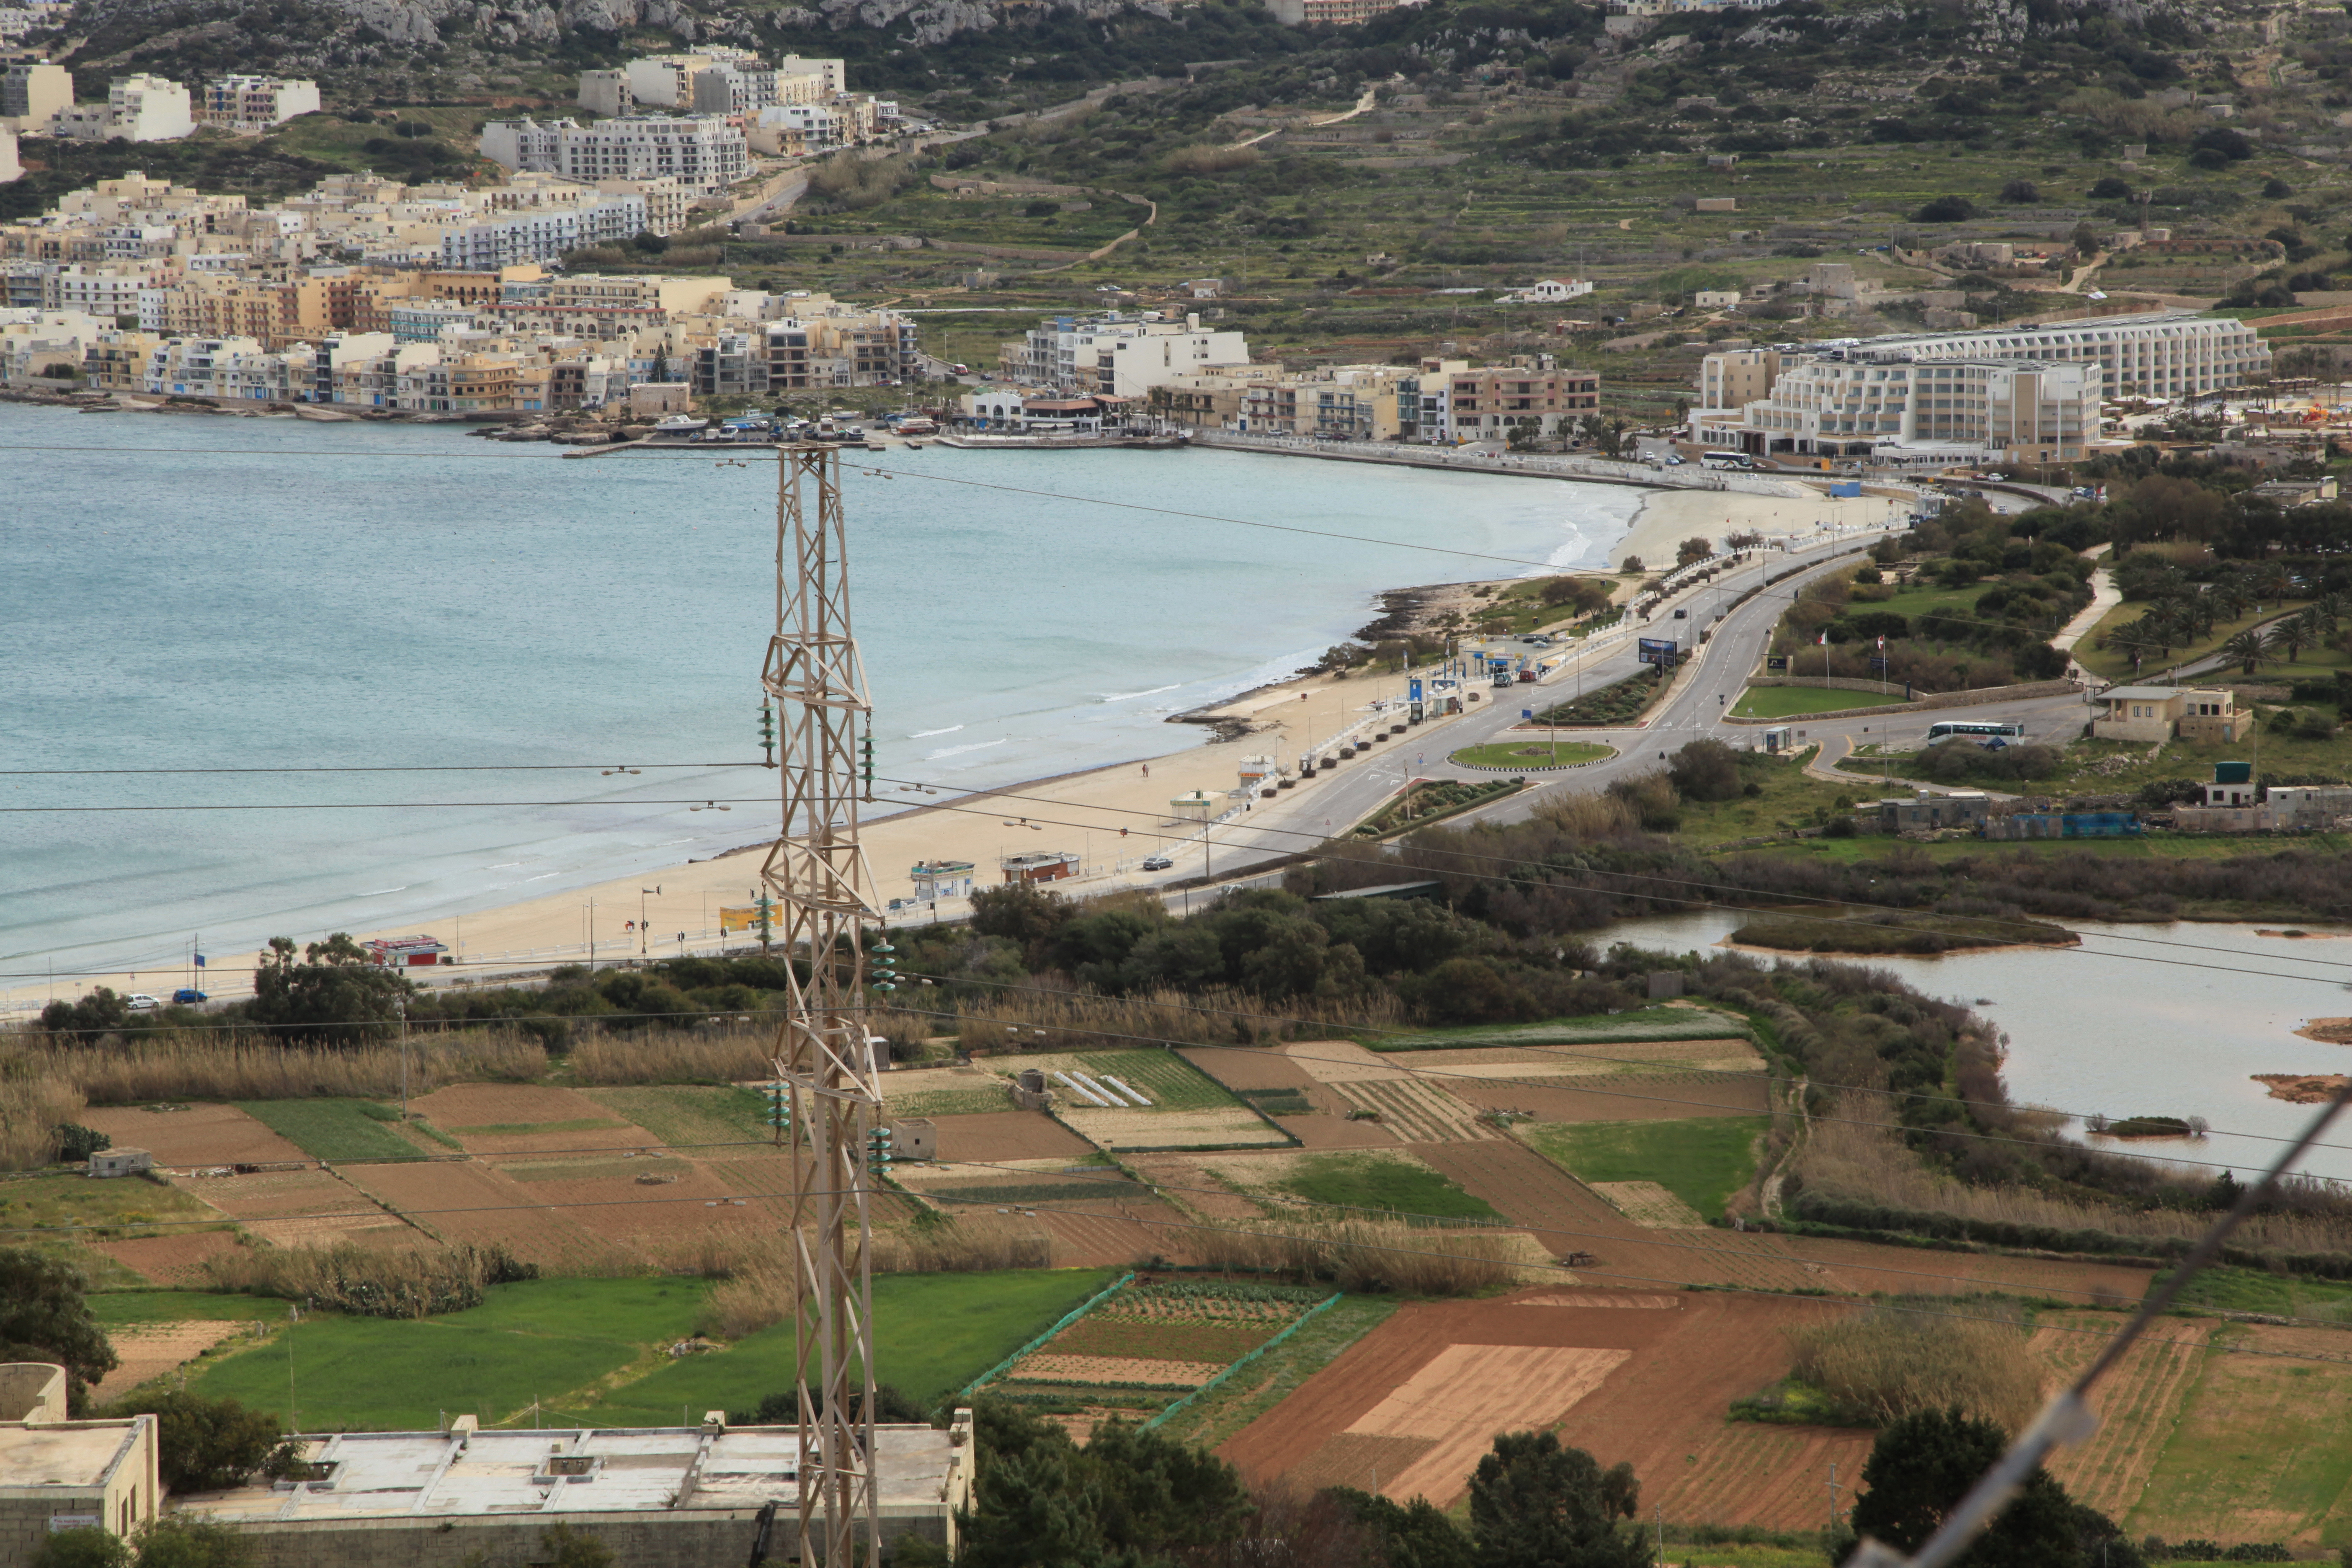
x=411, y=768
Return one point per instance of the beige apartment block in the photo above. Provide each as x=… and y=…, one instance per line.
x=57, y=1474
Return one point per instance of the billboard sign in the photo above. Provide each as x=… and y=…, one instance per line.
x=1660, y=651
x=1776, y=661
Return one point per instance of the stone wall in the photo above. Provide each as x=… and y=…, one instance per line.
x=692, y=1538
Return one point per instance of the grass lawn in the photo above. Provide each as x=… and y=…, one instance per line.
x=2113, y=663
x=111, y=1211
x=2230, y=1289
x=1794, y=701
x=335, y=1130
x=1530, y=752
x=593, y=1349
x=1279, y=1373
x=1702, y=1161
x=1597, y=1028
x=1376, y=1182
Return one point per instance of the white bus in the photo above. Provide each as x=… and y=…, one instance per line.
x=1979, y=730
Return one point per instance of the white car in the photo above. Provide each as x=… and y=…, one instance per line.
x=140, y=1002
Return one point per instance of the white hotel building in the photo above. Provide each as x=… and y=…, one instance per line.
x=2019, y=394
x=702, y=152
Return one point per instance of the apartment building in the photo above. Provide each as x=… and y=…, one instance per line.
x=33, y=93
x=250, y=103
x=606, y=92
x=11, y=167
x=2018, y=393
x=137, y=108
x=1497, y=400
x=1120, y=355
x=100, y=290
x=1328, y=13
x=544, y=232
x=703, y=153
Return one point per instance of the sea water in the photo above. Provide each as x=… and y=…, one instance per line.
x=208, y=592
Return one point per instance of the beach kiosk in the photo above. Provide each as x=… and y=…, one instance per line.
x=1050, y=866
x=1194, y=806
x=936, y=880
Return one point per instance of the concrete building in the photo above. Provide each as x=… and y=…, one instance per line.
x=2148, y=714
x=1494, y=400
x=1328, y=13
x=702, y=153
x=34, y=92
x=1122, y=356
x=658, y=1497
x=137, y=108
x=543, y=232
x=57, y=1474
x=1925, y=812
x=256, y=102
x=10, y=167
x=606, y=93
x=1896, y=398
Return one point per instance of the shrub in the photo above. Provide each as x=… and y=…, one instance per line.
x=1705, y=771
x=1205, y=158
x=1945, y=209
x=208, y=1445
x=2021, y=191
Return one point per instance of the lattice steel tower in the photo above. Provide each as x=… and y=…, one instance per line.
x=824, y=1064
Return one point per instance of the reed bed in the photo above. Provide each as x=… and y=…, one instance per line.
x=403, y=1282
x=1851, y=1153
x=1886, y=1364
x=201, y=1066
x=1366, y=1255
x=1221, y=1016
x=32, y=1107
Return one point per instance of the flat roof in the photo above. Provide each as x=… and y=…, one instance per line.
x=2148, y=693
x=388, y=1475
x=77, y=1456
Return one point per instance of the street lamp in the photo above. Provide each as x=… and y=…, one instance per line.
x=642, y=948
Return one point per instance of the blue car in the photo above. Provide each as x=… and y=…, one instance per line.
x=187, y=999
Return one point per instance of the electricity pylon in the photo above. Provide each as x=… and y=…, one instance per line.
x=824, y=1062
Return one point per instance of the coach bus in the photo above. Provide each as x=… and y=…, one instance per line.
x=1975, y=729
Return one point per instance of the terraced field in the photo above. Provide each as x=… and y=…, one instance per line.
x=1416, y=1111
x=2138, y=1403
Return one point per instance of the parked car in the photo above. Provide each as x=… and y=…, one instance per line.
x=1158, y=863
x=140, y=1002
x=186, y=996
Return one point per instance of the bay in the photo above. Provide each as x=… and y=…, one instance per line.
x=196, y=592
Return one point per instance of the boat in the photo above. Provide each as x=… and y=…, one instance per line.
x=680, y=425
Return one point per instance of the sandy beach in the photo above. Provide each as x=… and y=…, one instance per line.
x=1111, y=816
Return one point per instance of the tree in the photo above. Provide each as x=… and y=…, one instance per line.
x=43, y=1317
x=2020, y=192
x=176, y=1541
x=1412, y=1535
x=2248, y=648
x=1705, y=770
x=87, y=1547
x=1695, y=548
x=1945, y=209
x=96, y=1015
x=1022, y=911
x=784, y=1408
x=337, y=992
x=207, y=1444
x=2294, y=634
x=1926, y=1462
x=1130, y=1498
x=1534, y=1504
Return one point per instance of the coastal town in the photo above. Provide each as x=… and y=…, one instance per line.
x=1307, y=782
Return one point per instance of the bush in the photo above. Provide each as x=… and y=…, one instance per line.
x=208, y=1445
x=1705, y=771
x=1945, y=209
x=1886, y=1364
x=77, y=1143
x=2021, y=191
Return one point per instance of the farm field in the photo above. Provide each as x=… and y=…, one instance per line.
x=592, y=1350
x=340, y=1131
x=2138, y=1403
x=1691, y=1023
x=1627, y=1097
x=1150, y=1343
x=1164, y=1077
x=1381, y=1180
x=944, y=1091
x=2257, y=1449
x=1702, y=1161
x=201, y=1135
x=1220, y=1128
x=1413, y=1402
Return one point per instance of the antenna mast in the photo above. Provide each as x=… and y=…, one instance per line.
x=823, y=1063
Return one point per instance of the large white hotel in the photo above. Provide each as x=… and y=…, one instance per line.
x=2022, y=394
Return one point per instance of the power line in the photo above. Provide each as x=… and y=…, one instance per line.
x=704, y=802
x=416, y=768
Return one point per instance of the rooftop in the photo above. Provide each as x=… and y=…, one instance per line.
x=383, y=1475
x=75, y=1455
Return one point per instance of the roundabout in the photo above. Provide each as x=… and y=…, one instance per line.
x=1521, y=754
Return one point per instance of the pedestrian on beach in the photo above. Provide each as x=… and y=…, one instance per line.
x=1147, y=770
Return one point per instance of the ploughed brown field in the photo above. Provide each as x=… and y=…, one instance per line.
x=1410, y=1407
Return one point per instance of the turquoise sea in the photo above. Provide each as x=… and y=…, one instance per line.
x=193, y=592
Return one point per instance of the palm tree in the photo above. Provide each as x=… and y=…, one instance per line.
x=2271, y=582
x=2132, y=638
x=2329, y=611
x=2294, y=634
x=2247, y=648
x=2230, y=598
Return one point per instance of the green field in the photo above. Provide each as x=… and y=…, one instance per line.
x=592, y=1352
x=1530, y=752
x=2228, y=1290
x=1377, y=1181
x=2260, y=1445
x=1599, y=1028
x=335, y=1130
x=690, y=1115
x=1702, y=1161
x=1165, y=1079
x=1276, y=1375
x=1795, y=701
x=121, y=1308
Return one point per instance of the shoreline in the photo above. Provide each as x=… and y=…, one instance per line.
x=1105, y=814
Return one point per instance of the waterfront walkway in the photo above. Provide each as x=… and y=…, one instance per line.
x=1532, y=464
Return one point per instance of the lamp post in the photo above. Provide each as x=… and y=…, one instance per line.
x=642, y=945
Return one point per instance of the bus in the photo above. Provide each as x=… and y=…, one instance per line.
x=1946, y=729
